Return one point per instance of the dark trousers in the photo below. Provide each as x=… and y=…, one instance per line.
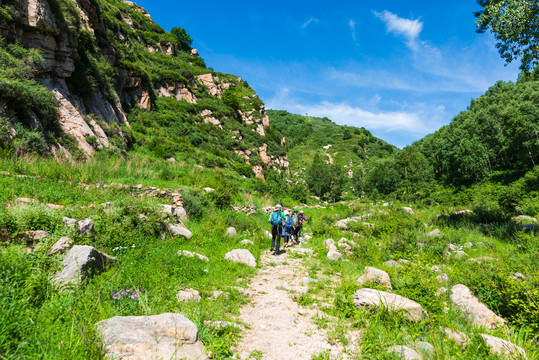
x=296, y=234
x=276, y=231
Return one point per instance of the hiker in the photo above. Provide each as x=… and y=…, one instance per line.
x=302, y=218
x=295, y=226
x=288, y=229
x=276, y=220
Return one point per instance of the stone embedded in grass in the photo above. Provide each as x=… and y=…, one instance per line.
x=82, y=262
x=179, y=229
x=377, y=276
x=231, y=231
x=442, y=278
x=408, y=210
x=208, y=189
x=188, y=295
x=503, y=347
x=268, y=234
x=25, y=201
x=180, y=213
x=61, y=245
x=36, y=235
x=166, y=209
x=328, y=242
x=468, y=245
x=451, y=248
x=334, y=255
x=460, y=255
x=331, y=247
x=107, y=204
x=366, y=298
x=246, y=242
x=190, y=254
x=435, y=232
x=344, y=224
x=55, y=207
x=458, y=337
x=223, y=325
x=86, y=227
x=425, y=348
x=404, y=352
x=345, y=246
x=477, y=312
x=242, y=256
x=69, y=222
x=518, y=276
x=164, y=336
x=441, y=291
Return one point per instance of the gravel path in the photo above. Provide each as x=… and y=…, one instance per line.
x=280, y=328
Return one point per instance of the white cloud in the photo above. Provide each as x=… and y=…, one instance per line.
x=352, y=25
x=309, y=22
x=408, y=28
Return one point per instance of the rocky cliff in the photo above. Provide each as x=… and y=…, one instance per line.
x=107, y=62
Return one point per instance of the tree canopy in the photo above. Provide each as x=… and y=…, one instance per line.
x=515, y=24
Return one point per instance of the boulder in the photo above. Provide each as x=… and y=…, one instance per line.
x=179, y=230
x=180, y=213
x=166, y=209
x=36, y=235
x=242, y=256
x=370, y=297
x=86, y=227
x=331, y=247
x=377, y=276
x=81, y=262
x=69, y=222
x=231, y=232
x=188, y=295
x=435, y=232
x=247, y=242
x=334, y=255
x=344, y=224
x=190, y=254
x=61, y=245
x=404, y=352
x=164, y=336
x=477, y=312
x=503, y=347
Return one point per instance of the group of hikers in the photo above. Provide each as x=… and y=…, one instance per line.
x=287, y=225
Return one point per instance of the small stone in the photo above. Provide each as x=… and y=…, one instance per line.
x=457, y=336
x=404, y=352
x=436, y=269
x=179, y=230
x=231, y=232
x=377, y=276
x=246, y=242
x=442, y=278
x=69, y=222
x=56, y=207
x=518, y=276
x=208, y=189
x=188, y=295
x=328, y=242
x=86, y=227
x=242, y=256
x=334, y=255
x=468, y=245
x=460, y=255
x=408, y=210
x=166, y=209
x=61, y=245
x=190, y=254
x=451, y=248
x=393, y=264
x=37, y=235
x=180, y=213
x=441, y=291
x=435, y=232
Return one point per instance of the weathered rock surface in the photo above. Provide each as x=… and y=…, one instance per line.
x=164, y=336
x=328, y=242
x=190, y=254
x=189, y=295
x=231, y=232
x=458, y=337
x=242, y=256
x=404, y=352
x=334, y=255
x=377, y=276
x=80, y=262
x=37, y=235
x=69, y=222
x=478, y=313
x=369, y=297
x=503, y=347
x=86, y=227
x=61, y=245
x=179, y=230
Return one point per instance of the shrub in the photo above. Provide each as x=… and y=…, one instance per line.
x=299, y=193
x=194, y=206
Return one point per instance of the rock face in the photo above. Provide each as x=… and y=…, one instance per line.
x=377, y=276
x=81, y=262
x=503, y=347
x=242, y=256
x=477, y=312
x=370, y=297
x=164, y=336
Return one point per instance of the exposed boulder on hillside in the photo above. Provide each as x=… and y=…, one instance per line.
x=377, y=276
x=80, y=262
x=370, y=297
x=164, y=336
x=503, y=347
x=242, y=256
x=477, y=312
x=404, y=352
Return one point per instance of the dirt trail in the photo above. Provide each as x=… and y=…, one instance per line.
x=280, y=328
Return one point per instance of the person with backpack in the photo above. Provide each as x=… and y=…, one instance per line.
x=288, y=229
x=277, y=220
x=295, y=226
x=302, y=219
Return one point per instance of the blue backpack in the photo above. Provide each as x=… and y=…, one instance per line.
x=275, y=218
x=289, y=223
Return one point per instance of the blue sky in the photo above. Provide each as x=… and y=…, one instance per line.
x=401, y=69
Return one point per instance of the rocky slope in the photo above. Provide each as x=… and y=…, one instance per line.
x=106, y=62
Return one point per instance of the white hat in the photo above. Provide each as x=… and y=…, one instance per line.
x=277, y=206
x=286, y=212
x=301, y=212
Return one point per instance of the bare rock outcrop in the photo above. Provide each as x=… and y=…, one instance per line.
x=477, y=312
x=164, y=336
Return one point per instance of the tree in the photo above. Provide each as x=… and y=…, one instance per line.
x=318, y=176
x=515, y=23
x=185, y=40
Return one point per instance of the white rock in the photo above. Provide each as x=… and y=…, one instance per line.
x=166, y=209
x=301, y=251
x=331, y=247
x=190, y=254
x=328, y=242
x=242, y=256
x=451, y=248
x=61, y=245
x=435, y=232
x=477, y=312
x=408, y=210
x=81, y=262
x=404, y=352
x=69, y=222
x=246, y=242
x=268, y=234
x=188, y=295
x=37, y=235
x=518, y=276
x=460, y=255
x=458, y=337
x=377, y=276
x=468, y=245
x=231, y=232
x=370, y=297
x=442, y=278
x=164, y=336
x=441, y=291
x=503, y=347
x=180, y=213
x=334, y=255
x=179, y=230
x=208, y=189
